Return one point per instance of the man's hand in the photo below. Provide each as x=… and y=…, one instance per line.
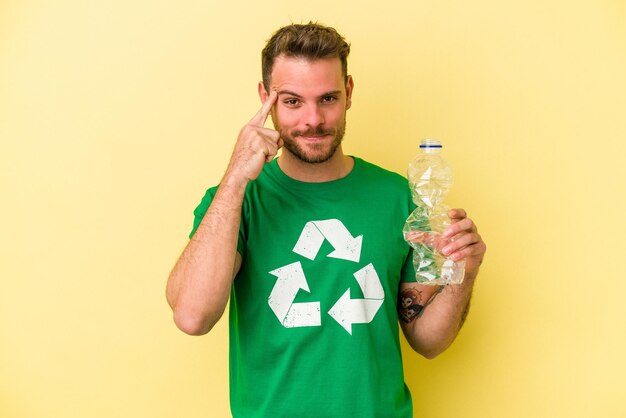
x=255, y=145
x=465, y=242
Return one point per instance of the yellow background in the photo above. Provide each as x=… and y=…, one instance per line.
x=115, y=117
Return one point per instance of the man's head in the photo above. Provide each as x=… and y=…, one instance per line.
x=307, y=66
x=311, y=42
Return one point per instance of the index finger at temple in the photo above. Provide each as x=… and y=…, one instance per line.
x=261, y=116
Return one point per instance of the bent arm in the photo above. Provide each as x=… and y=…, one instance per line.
x=443, y=310
x=199, y=285
x=431, y=329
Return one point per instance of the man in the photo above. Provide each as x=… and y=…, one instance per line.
x=309, y=248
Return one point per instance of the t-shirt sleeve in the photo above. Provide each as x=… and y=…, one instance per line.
x=408, y=270
x=202, y=209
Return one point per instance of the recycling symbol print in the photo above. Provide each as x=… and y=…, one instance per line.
x=291, y=279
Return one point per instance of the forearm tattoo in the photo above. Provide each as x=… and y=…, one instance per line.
x=410, y=304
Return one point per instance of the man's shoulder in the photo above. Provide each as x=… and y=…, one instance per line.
x=378, y=172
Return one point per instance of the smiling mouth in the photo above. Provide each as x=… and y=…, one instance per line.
x=313, y=137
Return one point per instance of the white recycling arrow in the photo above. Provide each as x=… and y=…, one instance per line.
x=290, y=280
x=312, y=237
x=347, y=311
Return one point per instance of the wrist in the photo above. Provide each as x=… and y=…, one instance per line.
x=234, y=180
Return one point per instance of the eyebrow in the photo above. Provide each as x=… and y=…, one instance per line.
x=291, y=93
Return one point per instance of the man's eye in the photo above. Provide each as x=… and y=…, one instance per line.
x=291, y=102
x=329, y=99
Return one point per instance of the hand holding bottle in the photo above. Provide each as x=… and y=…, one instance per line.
x=465, y=243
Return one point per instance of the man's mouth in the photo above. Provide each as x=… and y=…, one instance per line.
x=313, y=137
x=314, y=132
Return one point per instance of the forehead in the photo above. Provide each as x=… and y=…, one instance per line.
x=302, y=75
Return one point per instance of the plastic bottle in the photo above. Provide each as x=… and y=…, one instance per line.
x=430, y=179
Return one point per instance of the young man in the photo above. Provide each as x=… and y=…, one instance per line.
x=309, y=248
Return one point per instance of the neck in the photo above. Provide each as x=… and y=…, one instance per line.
x=338, y=166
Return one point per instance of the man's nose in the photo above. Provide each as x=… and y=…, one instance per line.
x=314, y=116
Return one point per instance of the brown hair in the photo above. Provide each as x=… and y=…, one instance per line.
x=311, y=41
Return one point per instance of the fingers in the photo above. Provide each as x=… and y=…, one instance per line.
x=261, y=116
x=256, y=145
x=463, y=236
x=463, y=242
x=476, y=250
x=264, y=140
x=457, y=214
x=462, y=225
x=272, y=150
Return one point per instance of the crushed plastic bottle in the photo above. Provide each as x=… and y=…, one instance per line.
x=430, y=179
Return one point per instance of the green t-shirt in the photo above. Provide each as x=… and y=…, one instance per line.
x=313, y=321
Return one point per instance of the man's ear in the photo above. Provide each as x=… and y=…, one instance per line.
x=263, y=95
x=349, y=89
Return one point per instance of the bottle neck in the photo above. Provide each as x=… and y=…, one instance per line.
x=430, y=146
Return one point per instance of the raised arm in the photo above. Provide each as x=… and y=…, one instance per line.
x=435, y=316
x=199, y=285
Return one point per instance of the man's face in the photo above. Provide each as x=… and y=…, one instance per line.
x=310, y=112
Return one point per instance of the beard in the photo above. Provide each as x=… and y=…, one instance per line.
x=313, y=153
